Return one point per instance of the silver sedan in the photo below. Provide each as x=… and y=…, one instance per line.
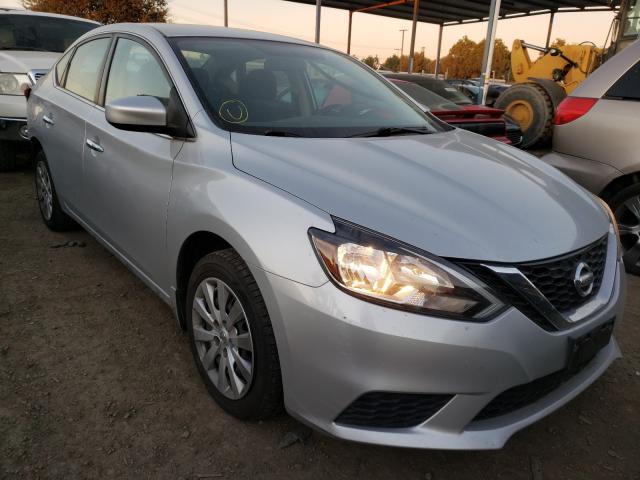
x=329, y=247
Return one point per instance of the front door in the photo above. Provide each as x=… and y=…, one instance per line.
x=128, y=174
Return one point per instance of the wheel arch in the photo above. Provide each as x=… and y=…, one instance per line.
x=193, y=248
x=618, y=183
x=36, y=146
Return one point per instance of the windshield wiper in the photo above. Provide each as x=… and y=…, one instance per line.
x=391, y=131
x=280, y=133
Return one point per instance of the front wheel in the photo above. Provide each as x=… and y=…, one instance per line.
x=626, y=207
x=231, y=337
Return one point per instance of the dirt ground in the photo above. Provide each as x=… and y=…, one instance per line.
x=96, y=380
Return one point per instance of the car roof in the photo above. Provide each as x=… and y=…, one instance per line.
x=184, y=30
x=31, y=13
x=600, y=81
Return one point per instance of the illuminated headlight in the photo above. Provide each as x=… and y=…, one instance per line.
x=11, y=83
x=381, y=270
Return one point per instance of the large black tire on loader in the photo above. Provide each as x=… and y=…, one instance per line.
x=530, y=105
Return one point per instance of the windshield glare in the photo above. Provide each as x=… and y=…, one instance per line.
x=40, y=33
x=427, y=98
x=276, y=88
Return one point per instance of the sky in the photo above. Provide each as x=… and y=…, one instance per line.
x=373, y=34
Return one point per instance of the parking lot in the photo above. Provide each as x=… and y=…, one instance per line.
x=97, y=380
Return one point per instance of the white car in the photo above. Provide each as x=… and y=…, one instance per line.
x=30, y=43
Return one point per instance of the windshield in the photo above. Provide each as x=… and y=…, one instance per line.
x=439, y=87
x=40, y=33
x=427, y=98
x=275, y=88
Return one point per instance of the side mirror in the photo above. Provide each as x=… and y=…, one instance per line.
x=137, y=114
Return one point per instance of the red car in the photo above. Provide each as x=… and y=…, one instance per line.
x=490, y=122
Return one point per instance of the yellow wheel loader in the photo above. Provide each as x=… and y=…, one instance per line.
x=541, y=84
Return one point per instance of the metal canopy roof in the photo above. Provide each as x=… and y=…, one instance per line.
x=450, y=12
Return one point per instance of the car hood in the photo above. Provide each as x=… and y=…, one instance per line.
x=18, y=61
x=453, y=194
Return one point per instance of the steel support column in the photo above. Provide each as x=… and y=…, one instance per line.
x=226, y=13
x=550, y=28
x=349, y=34
x=437, y=70
x=414, y=26
x=318, y=8
x=487, y=59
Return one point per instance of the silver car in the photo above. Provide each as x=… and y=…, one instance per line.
x=330, y=248
x=596, y=142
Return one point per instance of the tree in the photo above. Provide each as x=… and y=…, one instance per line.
x=462, y=60
x=420, y=63
x=372, y=61
x=105, y=11
x=392, y=63
x=558, y=43
x=501, y=64
x=465, y=59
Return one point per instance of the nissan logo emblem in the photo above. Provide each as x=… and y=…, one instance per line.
x=583, y=279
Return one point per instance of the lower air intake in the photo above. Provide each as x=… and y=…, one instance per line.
x=392, y=410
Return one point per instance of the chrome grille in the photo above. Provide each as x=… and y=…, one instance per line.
x=555, y=278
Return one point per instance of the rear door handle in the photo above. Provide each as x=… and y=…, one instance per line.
x=94, y=146
x=48, y=120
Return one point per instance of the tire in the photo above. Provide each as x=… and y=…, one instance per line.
x=530, y=106
x=626, y=207
x=254, y=396
x=52, y=214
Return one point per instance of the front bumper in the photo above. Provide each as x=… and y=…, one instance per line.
x=13, y=113
x=334, y=348
x=13, y=129
x=592, y=175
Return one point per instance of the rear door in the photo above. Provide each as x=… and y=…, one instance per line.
x=64, y=110
x=128, y=174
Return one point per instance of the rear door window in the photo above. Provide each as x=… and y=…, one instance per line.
x=86, y=68
x=628, y=86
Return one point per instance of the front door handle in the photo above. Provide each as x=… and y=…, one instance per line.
x=48, y=120
x=94, y=146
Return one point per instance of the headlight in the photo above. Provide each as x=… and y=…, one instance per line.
x=614, y=222
x=11, y=83
x=381, y=270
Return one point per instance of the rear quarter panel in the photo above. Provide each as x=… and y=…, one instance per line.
x=607, y=134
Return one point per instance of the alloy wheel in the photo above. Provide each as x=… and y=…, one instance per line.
x=628, y=216
x=45, y=192
x=222, y=337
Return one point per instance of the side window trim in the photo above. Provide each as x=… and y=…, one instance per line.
x=107, y=67
x=63, y=76
x=101, y=69
x=623, y=79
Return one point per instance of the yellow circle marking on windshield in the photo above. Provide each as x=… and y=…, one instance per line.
x=234, y=111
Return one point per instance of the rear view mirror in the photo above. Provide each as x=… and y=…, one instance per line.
x=137, y=114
